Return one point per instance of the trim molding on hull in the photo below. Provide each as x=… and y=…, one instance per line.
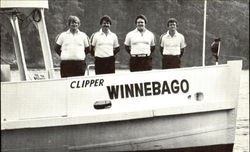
x=158, y=133
x=210, y=148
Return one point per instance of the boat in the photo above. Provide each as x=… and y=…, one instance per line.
x=186, y=109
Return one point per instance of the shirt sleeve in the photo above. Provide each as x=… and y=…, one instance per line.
x=153, y=40
x=161, y=42
x=127, y=40
x=86, y=41
x=93, y=40
x=183, y=43
x=59, y=39
x=116, y=42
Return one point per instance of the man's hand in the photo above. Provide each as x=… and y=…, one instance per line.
x=182, y=52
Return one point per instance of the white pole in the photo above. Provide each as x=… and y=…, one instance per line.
x=19, y=49
x=204, y=33
x=218, y=53
x=45, y=45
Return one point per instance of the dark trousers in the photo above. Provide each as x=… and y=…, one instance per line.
x=170, y=61
x=140, y=63
x=71, y=68
x=104, y=65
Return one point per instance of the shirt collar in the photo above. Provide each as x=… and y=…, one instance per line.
x=103, y=32
x=68, y=31
x=136, y=30
x=176, y=32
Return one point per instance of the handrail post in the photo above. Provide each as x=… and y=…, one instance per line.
x=204, y=34
x=217, y=60
x=45, y=44
x=18, y=48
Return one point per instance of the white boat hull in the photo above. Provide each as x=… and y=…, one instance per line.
x=160, y=133
x=180, y=121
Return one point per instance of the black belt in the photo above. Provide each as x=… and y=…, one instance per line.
x=139, y=55
x=170, y=55
x=72, y=60
x=104, y=57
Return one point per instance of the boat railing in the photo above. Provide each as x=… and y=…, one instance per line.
x=5, y=73
x=88, y=67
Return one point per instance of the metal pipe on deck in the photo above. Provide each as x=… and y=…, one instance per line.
x=39, y=21
x=217, y=61
x=204, y=34
x=19, y=48
x=41, y=26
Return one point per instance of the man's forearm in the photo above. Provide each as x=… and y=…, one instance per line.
x=182, y=52
x=87, y=50
x=92, y=52
x=127, y=48
x=152, y=48
x=161, y=50
x=116, y=50
x=58, y=49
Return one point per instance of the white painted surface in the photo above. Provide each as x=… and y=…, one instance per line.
x=24, y=4
x=53, y=102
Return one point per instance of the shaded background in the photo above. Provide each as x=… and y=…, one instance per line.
x=227, y=19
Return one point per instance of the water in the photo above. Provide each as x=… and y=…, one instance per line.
x=242, y=130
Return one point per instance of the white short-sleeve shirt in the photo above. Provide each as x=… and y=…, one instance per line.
x=140, y=43
x=73, y=45
x=104, y=44
x=172, y=45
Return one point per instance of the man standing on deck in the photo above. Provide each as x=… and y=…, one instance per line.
x=104, y=47
x=72, y=46
x=172, y=45
x=140, y=43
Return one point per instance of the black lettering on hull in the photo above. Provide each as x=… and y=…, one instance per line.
x=147, y=89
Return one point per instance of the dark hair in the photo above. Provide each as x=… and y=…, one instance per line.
x=105, y=18
x=172, y=20
x=73, y=18
x=142, y=17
